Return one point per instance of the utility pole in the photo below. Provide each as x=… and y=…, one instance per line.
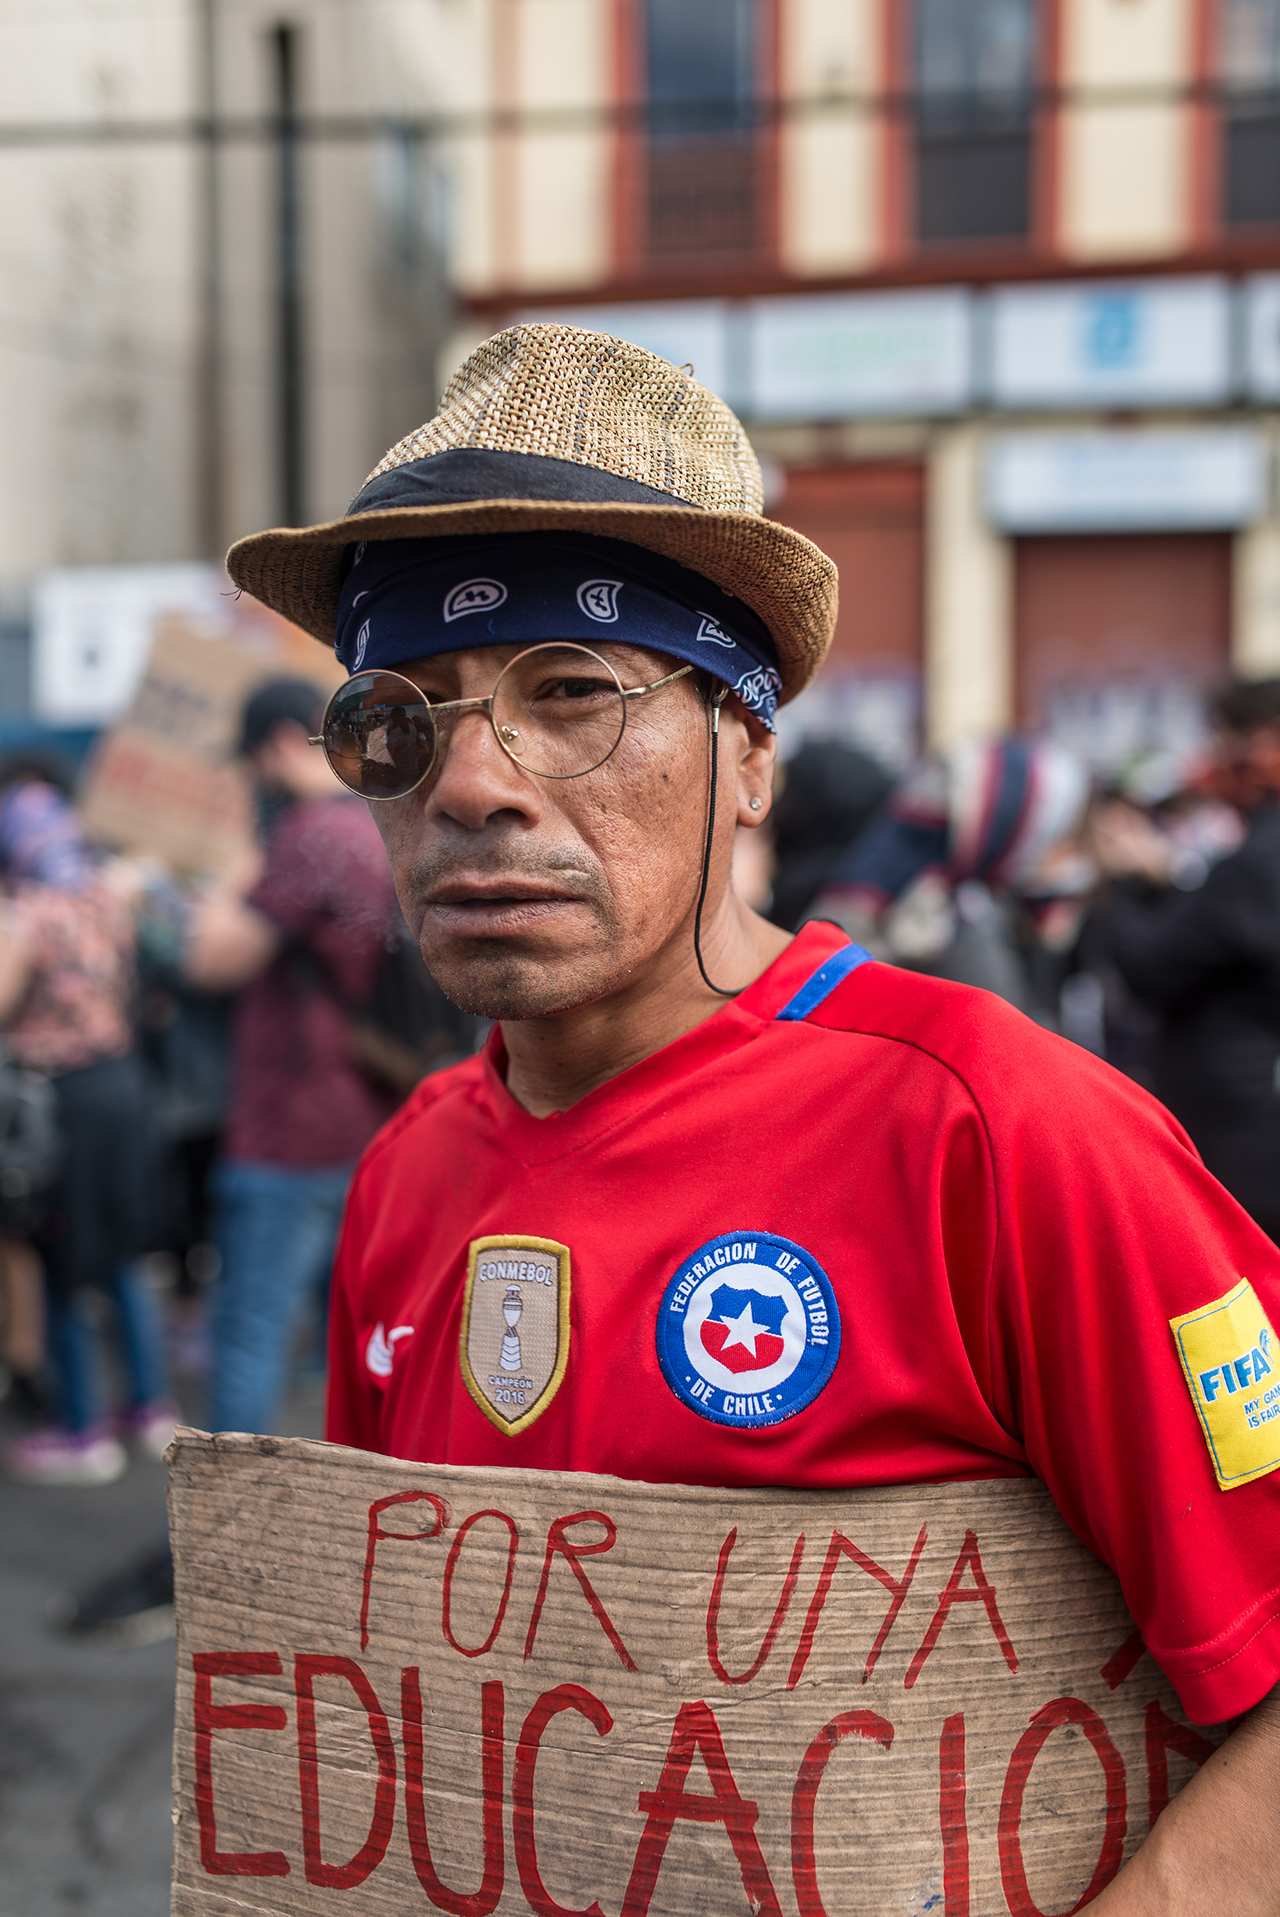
x=209, y=440
x=289, y=288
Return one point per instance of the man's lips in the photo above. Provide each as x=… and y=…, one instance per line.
x=497, y=905
x=498, y=892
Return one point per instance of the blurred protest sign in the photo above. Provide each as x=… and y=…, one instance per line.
x=523, y=1690
x=165, y=780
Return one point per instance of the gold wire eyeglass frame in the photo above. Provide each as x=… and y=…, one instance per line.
x=486, y=706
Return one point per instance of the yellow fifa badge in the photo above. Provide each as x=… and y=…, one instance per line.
x=515, y=1327
x=1232, y=1368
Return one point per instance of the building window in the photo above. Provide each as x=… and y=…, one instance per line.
x=974, y=63
x=1251, y=111
x=703, y=162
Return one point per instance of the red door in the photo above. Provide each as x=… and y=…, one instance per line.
x=1118, y=636
x=870, y=519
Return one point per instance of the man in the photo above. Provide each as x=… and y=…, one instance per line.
x=568, y=627
x=302, y=947
x=1209, y=959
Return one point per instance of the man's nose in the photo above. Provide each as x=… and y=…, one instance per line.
x=475, y=778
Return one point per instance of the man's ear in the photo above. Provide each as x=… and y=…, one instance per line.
x=756, y=757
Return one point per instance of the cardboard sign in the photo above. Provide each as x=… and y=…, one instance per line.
x=165, y=780
x=408, y=1687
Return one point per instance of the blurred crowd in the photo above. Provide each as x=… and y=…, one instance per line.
x=190, y=1069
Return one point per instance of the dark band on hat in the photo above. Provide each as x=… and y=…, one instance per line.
x=467, y=474
x=406, y=599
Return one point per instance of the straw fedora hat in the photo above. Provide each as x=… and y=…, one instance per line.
x=551, y=427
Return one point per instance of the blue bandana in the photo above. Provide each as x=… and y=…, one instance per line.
x=406, y=599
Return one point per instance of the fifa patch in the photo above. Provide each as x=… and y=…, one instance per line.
x=748, y=1330
x=1232, y=1369
x=514, y=1345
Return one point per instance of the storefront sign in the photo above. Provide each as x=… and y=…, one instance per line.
x=1136, y=343
x=1262, y=336
x=1116, y=482
x=835, y=355
x=480, y=1691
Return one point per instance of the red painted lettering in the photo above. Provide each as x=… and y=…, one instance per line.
x=476, y=1903
x=779, y=1615
x=378, y=1536
x=982, y=1593
x=1118, y=1666
x=804, y=1869
x=455, y=1552
x=306, y=1669
x=1013, y=1875
x=953, y=1816
x=558, y=1542
x=565, y=1697
x=211, y=1717
x=1163, y=1736
x=696, y=1732
x=897, y=1588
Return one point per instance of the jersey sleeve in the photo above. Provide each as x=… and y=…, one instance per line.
x=1128, y=1292
x=353, y=1397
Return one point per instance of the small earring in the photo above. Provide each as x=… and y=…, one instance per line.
x=755, y=804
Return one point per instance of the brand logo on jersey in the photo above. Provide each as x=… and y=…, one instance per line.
x=362, y=642
x=379, y=1353
x=598, y=598
x=1232, y=1368
x=748, y=1330
x=712, y=633
x=515, y=1327
x=473, y=595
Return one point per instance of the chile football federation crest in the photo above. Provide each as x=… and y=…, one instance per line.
x=748, y=1330
x=515, y=1327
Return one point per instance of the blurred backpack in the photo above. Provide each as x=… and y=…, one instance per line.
x=405, y=1027
x=32, y=1147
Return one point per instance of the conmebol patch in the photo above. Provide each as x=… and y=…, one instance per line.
x=748, y=1330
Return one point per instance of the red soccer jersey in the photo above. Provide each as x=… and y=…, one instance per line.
x=860, y=1227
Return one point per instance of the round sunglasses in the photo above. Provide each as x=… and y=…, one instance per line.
x=558, y=710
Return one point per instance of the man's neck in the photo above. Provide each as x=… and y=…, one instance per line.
x=553, y=1062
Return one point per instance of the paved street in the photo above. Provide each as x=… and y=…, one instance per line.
x=85, y=1729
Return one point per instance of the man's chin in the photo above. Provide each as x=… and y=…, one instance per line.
x=504, y=985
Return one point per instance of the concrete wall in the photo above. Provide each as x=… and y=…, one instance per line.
x=99, y=250
x=968, y=597
x=1124, y=185
x=830, y=153
x=95, y=324
x=1255, y=634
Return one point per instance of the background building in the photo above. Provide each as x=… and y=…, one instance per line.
x=995, y=284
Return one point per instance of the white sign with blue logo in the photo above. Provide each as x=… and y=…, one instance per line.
x=748, y=1330
x=1140, y=343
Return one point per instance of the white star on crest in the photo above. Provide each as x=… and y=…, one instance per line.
x=743, y=1330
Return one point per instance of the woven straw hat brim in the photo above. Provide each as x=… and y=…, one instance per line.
x=783, y=577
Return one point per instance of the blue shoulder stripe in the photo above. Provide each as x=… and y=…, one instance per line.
x=824, y=981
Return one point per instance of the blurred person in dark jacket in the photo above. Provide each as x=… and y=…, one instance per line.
x=828, y=793
x=958, y=855
x=1208, y=960
x=302, y=947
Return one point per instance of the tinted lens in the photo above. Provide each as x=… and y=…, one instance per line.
x=379, y=735
x=559, y=710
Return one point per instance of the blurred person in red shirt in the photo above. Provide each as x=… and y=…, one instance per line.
x=304, y=947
